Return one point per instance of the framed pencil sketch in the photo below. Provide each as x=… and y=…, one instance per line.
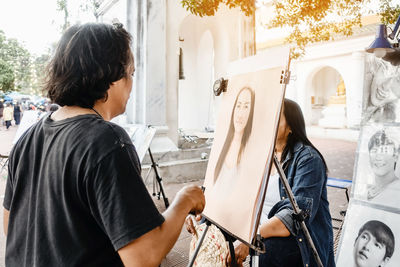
x=370, y=238
x=141, y=136
x=377, y=169
x=242, y=144
x=381, y=101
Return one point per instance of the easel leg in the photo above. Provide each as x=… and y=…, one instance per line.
x=254, y=254
x=231, y=249
x=254, y=260
x=159, y=180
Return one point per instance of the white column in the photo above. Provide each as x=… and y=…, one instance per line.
x=155, y=110
x=354, y=82
x=174, y=17
x=136, y=25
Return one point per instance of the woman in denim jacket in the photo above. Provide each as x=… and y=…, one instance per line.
x=305, y=169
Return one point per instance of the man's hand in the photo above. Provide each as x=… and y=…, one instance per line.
x=241, y=253
x=150, y=248
x=192, y=196
x=189, y=223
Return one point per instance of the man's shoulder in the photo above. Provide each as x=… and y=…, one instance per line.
x=106, y=130
x=83, y=134
x=101, y=138
x=93, y=129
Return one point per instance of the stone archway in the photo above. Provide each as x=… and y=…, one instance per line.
x=328, y=98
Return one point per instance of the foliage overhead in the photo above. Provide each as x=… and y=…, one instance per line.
x=307, y=21
x=209, y=7
x=388, y=11
x=7, y=77
x=311, y=21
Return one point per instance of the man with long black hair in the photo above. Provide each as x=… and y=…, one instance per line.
x=74, y=193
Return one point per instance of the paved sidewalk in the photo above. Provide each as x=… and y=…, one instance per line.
x=338, y=154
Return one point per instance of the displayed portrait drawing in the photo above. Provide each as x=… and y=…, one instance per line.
x=381, y=101
x=377, y=172
x=370, y=238
x=141, y=137
x=243, y=141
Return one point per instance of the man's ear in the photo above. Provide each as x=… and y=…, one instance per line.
x=105, y=97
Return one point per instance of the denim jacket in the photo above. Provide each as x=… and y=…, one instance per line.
x=306, y=176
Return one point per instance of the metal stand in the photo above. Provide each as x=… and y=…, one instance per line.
x=158, y=182
x=299, y=215
x=255, y=254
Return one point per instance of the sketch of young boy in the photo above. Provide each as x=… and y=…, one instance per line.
x=383, y=155
x=374, y=245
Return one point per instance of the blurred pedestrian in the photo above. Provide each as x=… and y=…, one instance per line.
x=1, y=111
x=8, y=115
x=17, y=113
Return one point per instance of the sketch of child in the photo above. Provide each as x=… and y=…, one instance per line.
x=383, y=155
x=374, y=245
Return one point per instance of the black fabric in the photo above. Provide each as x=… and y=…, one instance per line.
x=281, y=252
x=75, y=195
x=232, y=252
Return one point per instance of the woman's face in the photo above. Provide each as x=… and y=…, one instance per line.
x=283, y=128
x=241, y=111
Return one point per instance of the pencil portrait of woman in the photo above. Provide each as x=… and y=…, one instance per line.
x=228, y=164
x=242, y=143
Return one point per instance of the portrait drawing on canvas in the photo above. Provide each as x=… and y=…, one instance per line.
x=242, y=144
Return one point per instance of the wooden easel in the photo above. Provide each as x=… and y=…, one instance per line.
x=257, y=246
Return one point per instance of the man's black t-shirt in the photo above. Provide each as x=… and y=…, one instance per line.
x=75, y=195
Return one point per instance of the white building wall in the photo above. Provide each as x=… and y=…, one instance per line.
x=209, y=44
x=175, y=15
x=195, y=94
x=347, y=58
x=158, y=97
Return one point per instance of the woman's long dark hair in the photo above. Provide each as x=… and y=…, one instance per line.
x=295, y=120
x=231, y=131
